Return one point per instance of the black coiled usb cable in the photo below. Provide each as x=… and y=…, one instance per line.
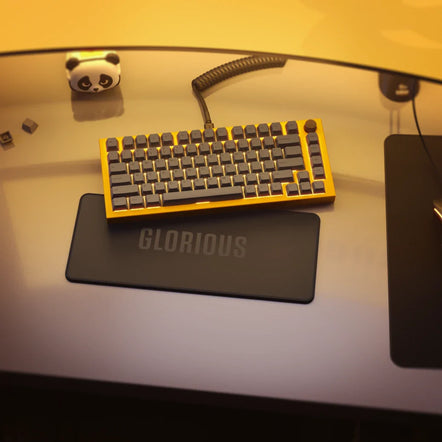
x=228, y=70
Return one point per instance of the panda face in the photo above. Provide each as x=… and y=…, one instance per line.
x=93, y=73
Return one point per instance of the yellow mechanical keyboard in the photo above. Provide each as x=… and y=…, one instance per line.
x=161, y=173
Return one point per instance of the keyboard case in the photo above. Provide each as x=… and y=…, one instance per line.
x=275, y=164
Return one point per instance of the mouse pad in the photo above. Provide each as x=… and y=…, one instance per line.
x=414, y=251
x=268, y=255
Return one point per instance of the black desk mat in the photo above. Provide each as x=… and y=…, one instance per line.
x=268, y=255
x=414, y=251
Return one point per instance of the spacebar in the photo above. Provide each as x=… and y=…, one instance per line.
x=196, y=196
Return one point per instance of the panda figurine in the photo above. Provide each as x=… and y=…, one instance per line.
x=93, y=72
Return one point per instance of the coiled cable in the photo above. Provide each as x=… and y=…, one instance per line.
x=228, y=70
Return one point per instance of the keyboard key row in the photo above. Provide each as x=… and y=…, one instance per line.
x=157, y=195
x=268, y=159
x=249, y=136
x=164, y=173
x=123, y=185
x=291, y=147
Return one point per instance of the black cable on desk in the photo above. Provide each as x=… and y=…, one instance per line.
x=433, y=164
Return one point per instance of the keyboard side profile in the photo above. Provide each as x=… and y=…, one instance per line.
x=282, y=163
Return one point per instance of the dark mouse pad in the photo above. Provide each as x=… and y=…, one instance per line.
x=414, y=251
x=264, y=255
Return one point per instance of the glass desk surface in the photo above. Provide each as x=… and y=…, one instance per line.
x=334, y=350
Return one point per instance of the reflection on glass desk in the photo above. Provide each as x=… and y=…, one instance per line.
x=334, y=350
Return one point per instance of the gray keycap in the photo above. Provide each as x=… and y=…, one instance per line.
x=316, y=161
x=199, y=183
x=291, y=127
x=288, y=140
x=164, y=175
x=183, y=137
x=116, y=168
x=263, y=130
x=204, y=149
x=292, y=189
x=212, y=182
x=151, y=177
x=312, y=138
x=305, y=187
x=111, y=144
x=195, y=136
x=136, y=202
x=283, y=175
x=217, y=147
x=191, y=173
x=167, y=139
x=293, y=151
x=303, y=176
x=212, y=159
x=147, y=165
x=243, y=168
x=126, y=156
x=152, y=200
x=113, y=157
x=230, y=169
x=138, y=178
x=217, y=170
x=250, y=131
x=224, y=181
x=178, y=151
x=160, y=164
x=229, y=146
x=250, y=190
x=159, y=187
x=188, y=197
x=290, y=163
x=173, y=163
x=318, y=187
x=263, y=189
x=154, y=140
x=221, y=134
x=237, y=132
x=141, y=141
x=178, y=174
x=152, y=153
x=276, y=188
x=251, y=178
x=318, y=172
x=173, y=186
x=186, y=185
x=129, y=190
x=146, y=189
x=120, y=179
x=134, y=167
x=204, y=172
x=186, y=162
x=128, y=143
x=165, y=152
x=139, y=155
x=255, y=144
x=119, y=203
x=255, y=167
x=209, y=135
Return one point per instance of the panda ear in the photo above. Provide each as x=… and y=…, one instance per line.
x=72, y=63
x=113, y=58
